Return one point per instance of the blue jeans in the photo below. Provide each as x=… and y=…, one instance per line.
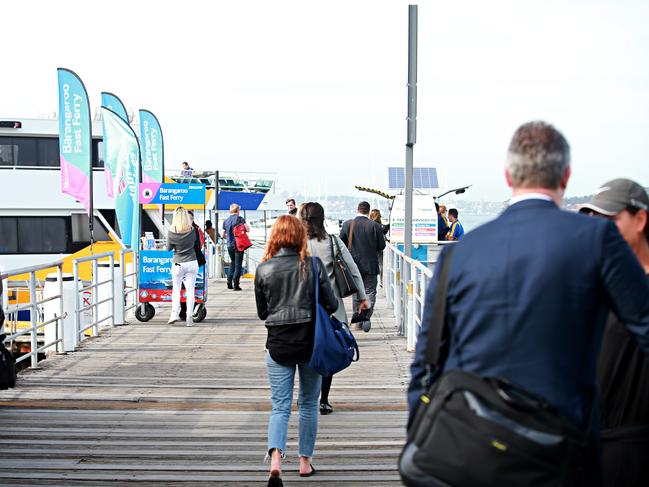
x=234, y=271
x=281, y=379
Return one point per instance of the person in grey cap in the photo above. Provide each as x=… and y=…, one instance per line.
x=623, y=369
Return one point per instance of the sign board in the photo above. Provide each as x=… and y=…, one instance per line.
x=155, y=277
x=424, y=219
x=172, y=194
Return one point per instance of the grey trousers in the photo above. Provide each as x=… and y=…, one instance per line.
x=370, y=282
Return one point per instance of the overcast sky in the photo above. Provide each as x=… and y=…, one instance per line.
x=316, y=91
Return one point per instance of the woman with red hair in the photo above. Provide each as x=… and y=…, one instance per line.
x=285, y=293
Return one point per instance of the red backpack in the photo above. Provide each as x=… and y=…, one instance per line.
x=241, y=237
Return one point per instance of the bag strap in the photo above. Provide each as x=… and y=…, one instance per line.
x=351, y=234
x=315, y=278
x=338, y=252
x=438, y=320
x=331, y=245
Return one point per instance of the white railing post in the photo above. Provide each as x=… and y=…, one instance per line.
x=60, y=332
x=397, y=289
x=118, y=290
x=95, y=298
x=218, y=258
x=130, y=276
x=77, y=301
x=413, y=328
x=112, y=289
x=34, y=318
x=410, y=314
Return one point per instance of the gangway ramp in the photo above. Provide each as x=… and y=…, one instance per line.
x=156, y=404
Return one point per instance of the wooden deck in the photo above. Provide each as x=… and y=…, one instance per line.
x=155, y=404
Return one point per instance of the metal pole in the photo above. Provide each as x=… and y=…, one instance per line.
x=216, y=205
x=33, y=312
x=95, y=298
x=60, y=333
x=265, y=229
x=247, y=253
x=112, y=289
x=412, y=127
x=77, y=305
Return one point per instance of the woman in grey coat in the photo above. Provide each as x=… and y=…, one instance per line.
x=320, y=244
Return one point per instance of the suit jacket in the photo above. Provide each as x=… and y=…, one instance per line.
x=531, y=307
x=367, y=241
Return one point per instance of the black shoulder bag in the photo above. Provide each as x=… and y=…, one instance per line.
x=7, y=366
x=200, y=256
x=471, y=430
x=342, y=275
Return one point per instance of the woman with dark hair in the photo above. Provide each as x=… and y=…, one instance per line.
x=325, y=246
x=376, y=216
x=285, y=293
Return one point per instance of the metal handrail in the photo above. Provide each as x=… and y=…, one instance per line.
x=35, y=306
x=119, y=300
x=129, y=291
x=405, y=282
x=79, y=329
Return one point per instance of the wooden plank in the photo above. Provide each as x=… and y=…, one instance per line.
x=160, y=405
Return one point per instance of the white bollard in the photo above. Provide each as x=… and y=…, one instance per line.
x=104, y=273
x=53, y=308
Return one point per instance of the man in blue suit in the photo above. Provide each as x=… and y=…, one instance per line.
x=528, y=306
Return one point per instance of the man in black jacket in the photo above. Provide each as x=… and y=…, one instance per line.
x=364, y=239
x=623, y=368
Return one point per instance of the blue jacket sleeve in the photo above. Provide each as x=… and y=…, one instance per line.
x=626, y=285
x=418, y=367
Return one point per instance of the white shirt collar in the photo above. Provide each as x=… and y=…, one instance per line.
x=360, y=214
x=529, y=196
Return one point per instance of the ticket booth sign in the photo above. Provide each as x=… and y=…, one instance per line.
x=424, y=220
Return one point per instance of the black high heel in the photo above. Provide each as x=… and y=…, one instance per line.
x=325, y=408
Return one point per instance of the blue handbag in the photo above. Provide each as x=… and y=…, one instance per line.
x=334, y=346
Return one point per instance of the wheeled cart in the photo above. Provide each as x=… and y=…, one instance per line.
x=154, y=263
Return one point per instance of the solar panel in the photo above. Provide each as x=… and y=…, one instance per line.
x=396, y=178
x=422, y=178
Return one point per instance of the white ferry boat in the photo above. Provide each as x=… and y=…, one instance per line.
x=38, y=223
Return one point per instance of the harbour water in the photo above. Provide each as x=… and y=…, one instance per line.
x=469, y=222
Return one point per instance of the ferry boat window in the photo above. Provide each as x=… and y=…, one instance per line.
x=81, y=232
x=25, y=151
x=97, y=153
x=33, y=235
x=6, y=152
x=48, y=152
x=42, y=235
x=8, y=235
x=40, y=152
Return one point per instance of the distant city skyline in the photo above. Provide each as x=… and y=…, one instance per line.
x=317, y=93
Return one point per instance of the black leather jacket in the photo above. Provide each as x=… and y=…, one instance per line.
x=284, y=296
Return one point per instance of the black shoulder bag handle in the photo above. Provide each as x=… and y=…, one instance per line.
x=436, y=330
